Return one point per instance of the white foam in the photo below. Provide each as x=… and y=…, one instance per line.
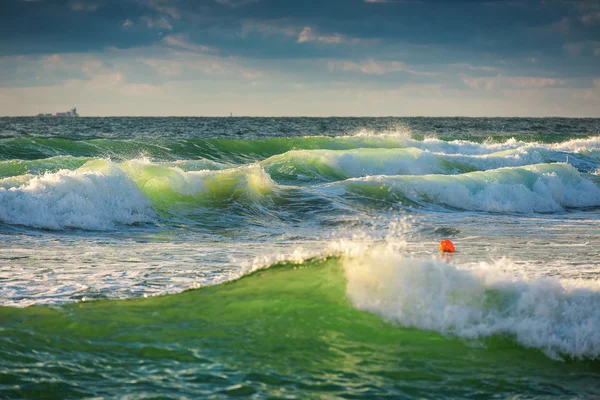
x=537, y=188
x=467, y=147
x=92, y=200
x=328, y=164
x=556, y=316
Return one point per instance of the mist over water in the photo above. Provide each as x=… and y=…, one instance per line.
x=312, y=248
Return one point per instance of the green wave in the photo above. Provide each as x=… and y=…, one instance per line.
x=226, y=150
x=335, y=165
x=536, y=188
x=37, y=167
x=167, y=185
x=289, y=330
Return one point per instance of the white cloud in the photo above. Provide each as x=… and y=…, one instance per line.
x=165, y=7
x=128, y=23
x=192, y=65
x=373, y=67
x=181, y=41
x=483, y=68
x=159, y=23
x=52, y=59
x=500, y=83
x=309, y=35
x=165, y=67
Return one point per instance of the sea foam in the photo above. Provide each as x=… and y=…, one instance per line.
x=538, y=188
x=93, y=200
x=559, y=317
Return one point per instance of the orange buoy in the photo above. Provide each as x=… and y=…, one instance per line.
x=446, y=246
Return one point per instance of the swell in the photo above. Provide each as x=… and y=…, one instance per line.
x=556, y=316
x=245, y=151
x=541, y=188
x=475, y=302
x=73, y=199
x=333, y=165
x=102, y=194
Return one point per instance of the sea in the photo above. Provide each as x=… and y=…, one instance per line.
x=298, y=258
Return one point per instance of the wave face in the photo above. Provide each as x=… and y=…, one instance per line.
x=299, y=258
x=302, y=308
x=499, y=177
x=71, y=199
x=541, y=188
x=556, y=317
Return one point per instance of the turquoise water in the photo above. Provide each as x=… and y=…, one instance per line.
x=297, y=258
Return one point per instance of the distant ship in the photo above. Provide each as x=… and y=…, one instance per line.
x=71, y=113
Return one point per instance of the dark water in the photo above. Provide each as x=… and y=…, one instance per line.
x=311, y=248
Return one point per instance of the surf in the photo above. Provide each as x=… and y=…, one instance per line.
x=357, y=314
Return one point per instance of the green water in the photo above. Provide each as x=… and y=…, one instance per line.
x=288, y=331
x=127, y=247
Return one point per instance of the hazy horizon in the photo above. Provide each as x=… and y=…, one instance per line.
x=309, y=116
x=371, y=58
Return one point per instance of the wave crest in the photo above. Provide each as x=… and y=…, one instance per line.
x=93, y=200
x=538, y=188
x=557, y=317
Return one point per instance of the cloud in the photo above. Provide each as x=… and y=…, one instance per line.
x=83, y=6
x=574, y=48
x=581, y=48
x=158, y=23
x=268, y=28
x=482, y=68
x=52, y=59
x=127, y=24
x=308, y=34
x=164, y=7
x=189, y=65
x=181, y=41
x=591, y=19
x=373, y=67
x=500, y=83
x=165, y=67
x=589, y=94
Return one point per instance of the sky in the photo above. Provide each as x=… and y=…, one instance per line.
x=300, y=57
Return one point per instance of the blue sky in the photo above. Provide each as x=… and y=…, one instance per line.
x=289, y=57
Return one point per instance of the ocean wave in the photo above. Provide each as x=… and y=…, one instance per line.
x=170, y=184
x=92, y=200
x=558, y=317
x=241, y=151
x=332, y=165
x=40, y=166
x=102, y=193
x=540, y=188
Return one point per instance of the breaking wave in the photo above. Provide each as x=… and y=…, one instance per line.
x=540, y=188
x=558, y=317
